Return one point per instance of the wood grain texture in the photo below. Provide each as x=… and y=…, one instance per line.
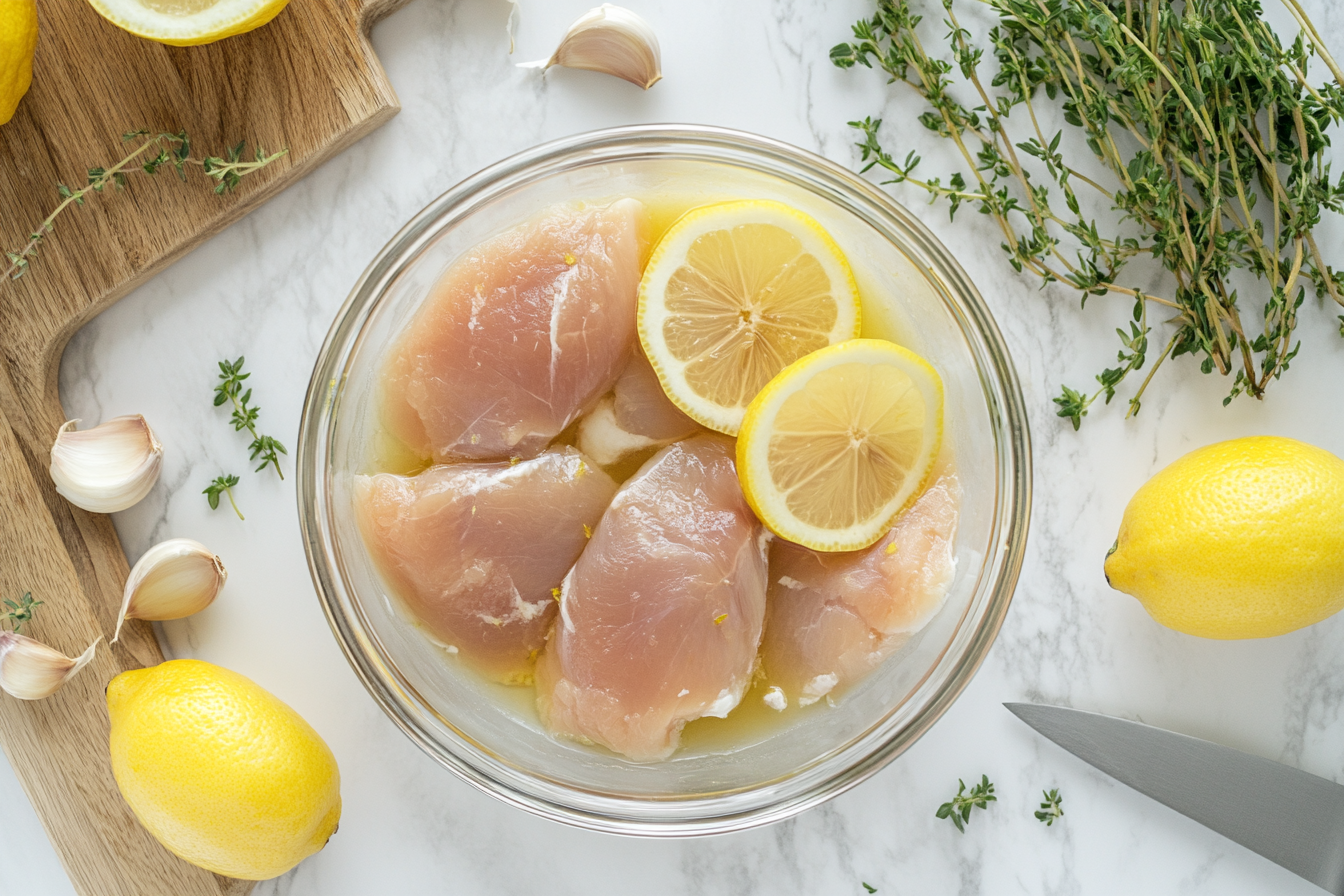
x=308, y=81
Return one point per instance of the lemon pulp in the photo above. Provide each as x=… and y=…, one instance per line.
x=185, y=23
x=837, y=444
x=734, y=293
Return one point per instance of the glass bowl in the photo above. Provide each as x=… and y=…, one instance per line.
x=489, y=734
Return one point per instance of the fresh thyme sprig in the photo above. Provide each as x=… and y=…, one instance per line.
x=868, y=887
x=1212, y=139
x=149, y=155
x=19, y=613
x=1050, y=809
x=959, y=807
x=230, y=388
x=224, y=485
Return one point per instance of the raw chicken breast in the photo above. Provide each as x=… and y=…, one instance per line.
x=637, y=416
x=835, y=616
x=474, y=550
x=519, y=337
x=661, y=617
x=641, y=406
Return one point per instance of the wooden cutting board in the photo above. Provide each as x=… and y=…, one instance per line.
x=308, y=81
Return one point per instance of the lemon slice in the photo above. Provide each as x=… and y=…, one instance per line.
x=186, y=23
x=837, y=445
x=732, y=295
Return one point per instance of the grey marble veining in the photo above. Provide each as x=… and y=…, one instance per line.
x=268, y=288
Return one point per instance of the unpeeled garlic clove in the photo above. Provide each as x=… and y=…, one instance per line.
x=107, y=468
x=30, y=670
x=175, y=578
x=611, y=40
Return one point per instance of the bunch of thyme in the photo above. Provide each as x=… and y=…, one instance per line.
x=150, y=155
x=1212, y=138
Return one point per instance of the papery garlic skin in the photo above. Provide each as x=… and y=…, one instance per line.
x=173, y=579
x=108, y=468
x=30, y=670
x=612, y=40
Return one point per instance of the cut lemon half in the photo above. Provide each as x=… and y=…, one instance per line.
x=733, y=294
x=840, y=442
x=186, y=23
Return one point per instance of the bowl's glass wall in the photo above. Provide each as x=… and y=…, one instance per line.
x=490, y=733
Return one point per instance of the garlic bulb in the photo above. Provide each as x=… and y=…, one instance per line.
x=175, y=578
x=107, y=468
x=30, y=670
x=611, y=40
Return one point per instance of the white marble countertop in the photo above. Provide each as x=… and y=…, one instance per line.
x=268, y=288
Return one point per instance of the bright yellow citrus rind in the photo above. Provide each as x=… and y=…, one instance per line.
x=840, y=442
x=18, y=41
x=222, y=773
x=735, y=292
x=188, y=23
x=1240, y=539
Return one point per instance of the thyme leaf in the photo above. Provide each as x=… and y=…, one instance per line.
x=17, y=614
x=230, y=389
x=1050, y=809
x=222, y=485
x=959, y=807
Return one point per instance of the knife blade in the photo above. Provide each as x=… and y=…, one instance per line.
x=1290, y=817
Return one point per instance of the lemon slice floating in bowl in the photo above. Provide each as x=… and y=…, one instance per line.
x=186, y=23
x=837, y=444
x=733, y=294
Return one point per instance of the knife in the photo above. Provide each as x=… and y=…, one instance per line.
x=1288, y=816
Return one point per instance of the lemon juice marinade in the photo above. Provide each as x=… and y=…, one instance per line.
x=752, y=720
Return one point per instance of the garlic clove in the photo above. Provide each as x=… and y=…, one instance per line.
x=107, y=468
x=611, y=40
x=30, y=670
x=173, y=579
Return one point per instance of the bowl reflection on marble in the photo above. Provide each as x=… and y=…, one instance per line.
x=489, y=734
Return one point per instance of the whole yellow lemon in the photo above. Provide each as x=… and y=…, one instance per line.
x=1242, y=539
x=221, y=772
x=18, y=40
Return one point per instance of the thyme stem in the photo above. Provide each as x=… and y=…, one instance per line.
x=1169, y=96
x=173, y=150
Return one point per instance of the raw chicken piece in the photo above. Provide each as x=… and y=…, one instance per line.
x=641, y=406
x=835, y=616
x=638, y=416
x=519, y=337
x=474, y=551
x=661, y=617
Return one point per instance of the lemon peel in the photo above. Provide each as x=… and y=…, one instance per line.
x=222, y=773
x=1239, y=539
x=18, y=41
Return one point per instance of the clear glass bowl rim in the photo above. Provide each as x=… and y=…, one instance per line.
x=772, y=801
